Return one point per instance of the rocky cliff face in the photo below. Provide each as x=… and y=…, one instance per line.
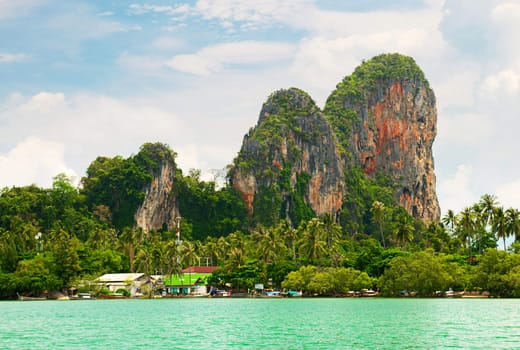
x=382, y=119
x=289, y=165
x=160, y=204
x=385, y=115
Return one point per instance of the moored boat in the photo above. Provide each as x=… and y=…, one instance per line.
x=27, y=298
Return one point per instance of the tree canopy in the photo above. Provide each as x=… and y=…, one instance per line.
x=54, y=238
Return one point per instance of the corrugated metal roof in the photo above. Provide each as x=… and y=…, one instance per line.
x=120, y=277
x=200, y=269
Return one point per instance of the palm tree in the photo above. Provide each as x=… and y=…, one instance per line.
x=285, y=230
x=236, y=258
x=450, y=220
x=488, y=203
x=480, y=223
x=223, y=247
x=466, y=226
x=129, y=242
x=189, y=254
x=499, y=224
x=144, y=259
x=513, y=223
x=332, y=231
x=378, y=214
x=270, y=245
x=100, y=238
x=312, y=243
x=436, y=234
x=209, y=249
x=404, y=229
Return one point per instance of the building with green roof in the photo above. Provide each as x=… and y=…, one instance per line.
x=192, y=281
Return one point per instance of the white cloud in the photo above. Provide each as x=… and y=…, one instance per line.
x=248, y=15
x=89, y=125
x=254, y=14
x=105, y=14
x=304, y=14
x=322, y=62
x=43, y=102
x=507, y=13
x=215, y=58
x=165, y=43
x=33, y=161
x=195, y=64
x=456, y=192
x=454, y=84
x=509, y=194
x=465, y=128
x=11, y=9
x=466, y=26
x=505, y=82
x=505, y=26
x=70, y=27
x=138, y=9
x=11, y=58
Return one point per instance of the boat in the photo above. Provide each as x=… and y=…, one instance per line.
x=85, y=296
x=369, y=293
x=26, y=298
x=219, y=293
x=272, y=294
x=452, y=294
x=292, y=294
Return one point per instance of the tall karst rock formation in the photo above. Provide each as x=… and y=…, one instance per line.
x=159, y=207
x=289, y=165
x=384, y=115
x=382, y=119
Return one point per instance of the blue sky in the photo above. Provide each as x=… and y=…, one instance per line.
x=87, y=78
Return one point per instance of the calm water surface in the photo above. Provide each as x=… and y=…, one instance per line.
x=261, y=323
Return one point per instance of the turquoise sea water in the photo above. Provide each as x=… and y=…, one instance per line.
x=261, y=324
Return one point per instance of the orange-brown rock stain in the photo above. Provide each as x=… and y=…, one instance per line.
x=397, y=88
x=391, y=129
x=314, y=188
x=277, y=164
x=248, y=198
x=406, y=201
x=369, y=165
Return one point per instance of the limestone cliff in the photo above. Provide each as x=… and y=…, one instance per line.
x=289, y=165
x=385, y=117
x=160, y=206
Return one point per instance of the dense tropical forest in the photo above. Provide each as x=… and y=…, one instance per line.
x=67, y=235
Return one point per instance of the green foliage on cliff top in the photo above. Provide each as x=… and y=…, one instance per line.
x=290, y=102
x=279, y=114
x=152, y=155
x=120, y=183
x=367, y=76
